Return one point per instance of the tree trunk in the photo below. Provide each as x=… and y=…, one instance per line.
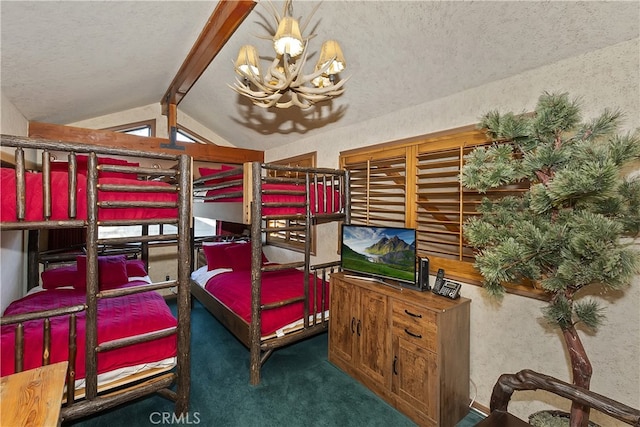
x=581, y=371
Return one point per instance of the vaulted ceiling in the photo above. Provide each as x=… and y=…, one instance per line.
x=67, y=61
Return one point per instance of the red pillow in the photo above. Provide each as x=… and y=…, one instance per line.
x=135, y=268
x=239, y=256
x=112, y=272
x=59, y=276
x=215, y=255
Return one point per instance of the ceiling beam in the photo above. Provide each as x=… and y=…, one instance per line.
x=223, y=22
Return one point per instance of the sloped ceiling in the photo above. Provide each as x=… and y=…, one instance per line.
x=67, y=61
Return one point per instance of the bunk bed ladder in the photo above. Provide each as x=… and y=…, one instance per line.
x=183, y=222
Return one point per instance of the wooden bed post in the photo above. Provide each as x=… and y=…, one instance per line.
x=184, y=281
x=256, y=275
x=32, y=258
x=91, y=322
x=347, y=197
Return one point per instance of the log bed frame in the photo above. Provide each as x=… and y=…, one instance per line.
x=249, y=211
x=180, y=174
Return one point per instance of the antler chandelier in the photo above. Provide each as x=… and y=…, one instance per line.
x=284, y=84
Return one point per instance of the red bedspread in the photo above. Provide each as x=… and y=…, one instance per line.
x=117, y=318
x=271, y=195
x=60, y=198
x=277, y=193
x=234, y=290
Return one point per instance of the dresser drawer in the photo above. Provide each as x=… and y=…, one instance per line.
x=415, y=324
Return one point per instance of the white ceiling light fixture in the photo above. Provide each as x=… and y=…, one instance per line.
x=284, y=84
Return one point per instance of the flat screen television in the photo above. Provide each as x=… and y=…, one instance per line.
x=379, y=252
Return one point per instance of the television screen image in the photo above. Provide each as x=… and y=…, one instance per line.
x=382, y=252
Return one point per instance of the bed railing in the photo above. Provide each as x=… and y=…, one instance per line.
x=176, y=180
x=323, y=191
x=20, y=319
x=48, y=148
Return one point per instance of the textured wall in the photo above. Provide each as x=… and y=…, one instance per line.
x=12, y=274
x=509, y=336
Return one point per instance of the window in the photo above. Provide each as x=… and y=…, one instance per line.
x=415, y=183
x=185, y=135
x=294, y=240
x=145, y=128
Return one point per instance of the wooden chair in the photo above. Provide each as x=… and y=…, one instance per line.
x=531, y=380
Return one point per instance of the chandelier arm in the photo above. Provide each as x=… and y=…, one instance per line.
x=308, y=20
x=314, y=96
x=284, y=104
x=274, y=12
x=296, y=101
x=263, y=84
x=320, y=71
x=327, y=89
x=242, y=89
x=265, y=102
x=284, y=80
x=300, y=77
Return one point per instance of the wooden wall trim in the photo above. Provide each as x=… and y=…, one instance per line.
x=202, y=152
x=469, y=131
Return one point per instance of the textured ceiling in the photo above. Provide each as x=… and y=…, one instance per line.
x=63, y=62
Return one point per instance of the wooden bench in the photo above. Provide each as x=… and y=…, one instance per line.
x=531, y=380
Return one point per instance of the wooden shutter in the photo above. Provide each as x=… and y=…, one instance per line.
x=378, y=189
x=440, y=204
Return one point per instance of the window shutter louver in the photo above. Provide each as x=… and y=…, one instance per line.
x=378, y=191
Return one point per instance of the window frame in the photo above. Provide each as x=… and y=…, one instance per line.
x=419, y=190
x=151, y=124
x=198, y=139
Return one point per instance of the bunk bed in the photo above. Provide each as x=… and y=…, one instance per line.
x=115, y=316
x=267, y=305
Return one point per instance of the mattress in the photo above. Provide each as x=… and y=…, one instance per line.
x=60, y=198
x=118, y=317
x=233, y=289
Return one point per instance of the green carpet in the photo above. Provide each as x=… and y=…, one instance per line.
x=299, y=387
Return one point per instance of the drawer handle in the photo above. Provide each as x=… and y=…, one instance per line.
x=395, y=363
x=412, y=334
x=353, y=326
x=419, y=316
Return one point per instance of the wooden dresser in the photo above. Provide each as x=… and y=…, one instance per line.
x=411, y=348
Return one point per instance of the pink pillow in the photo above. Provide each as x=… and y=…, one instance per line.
x=112, y=272
x=135, y=268
x=59, y=276
x=215, y=255
x=239, y=256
